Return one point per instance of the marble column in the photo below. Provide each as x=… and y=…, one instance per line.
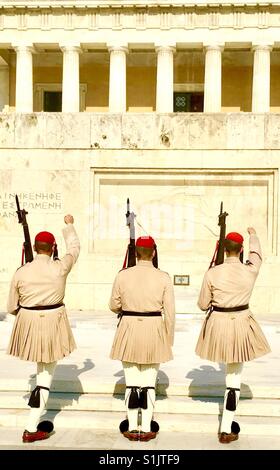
x=165, y=74
x=213, y=78
x=117, y=79
x=24, y=78
x=71, y=79
x=261, y=79
x=4, y=85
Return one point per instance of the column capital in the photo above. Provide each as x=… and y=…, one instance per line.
x=218, y=46
x=262, y=47
x=117, y=47
x=19, y=47
x=71, y=47
x=165, y=47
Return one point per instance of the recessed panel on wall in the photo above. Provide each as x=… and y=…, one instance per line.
x=180, y=208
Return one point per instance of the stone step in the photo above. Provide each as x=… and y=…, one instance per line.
x=106, y=385
x=105, y=420
x=170, y=405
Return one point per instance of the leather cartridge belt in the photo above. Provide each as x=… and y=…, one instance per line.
x=140, y=314
x=43, y=307
x=231, y=309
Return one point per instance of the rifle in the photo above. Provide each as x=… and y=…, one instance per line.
x=27, y=247
x=219, y=254
x=130, y=257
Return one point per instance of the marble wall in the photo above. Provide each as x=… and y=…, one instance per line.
x=175, y=168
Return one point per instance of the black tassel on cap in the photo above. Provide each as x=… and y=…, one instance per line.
x=155, y=258
x=34, y=400
x=231, y=399
x=133, y=401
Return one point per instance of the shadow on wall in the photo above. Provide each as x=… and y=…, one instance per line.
x=208, y=385
x=58, y=400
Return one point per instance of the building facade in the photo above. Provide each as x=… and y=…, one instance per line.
x=171, y=103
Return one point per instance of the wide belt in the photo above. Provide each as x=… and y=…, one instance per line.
x=43, y=307
x=230, y=309
x=140, y=314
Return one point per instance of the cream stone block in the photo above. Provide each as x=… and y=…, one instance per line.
x=186, y=299
x=67, y=130
x=7, y=130
x=248, y=135
x=272, y=131
x=105, y=130
x=138, y=131
x=172, y=130
x=207, y=131
x=30, y=130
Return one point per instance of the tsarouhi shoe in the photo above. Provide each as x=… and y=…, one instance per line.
x=146, y=436
x=132, y=435
x=124, y=426
x=226, y=438
x=34, y=436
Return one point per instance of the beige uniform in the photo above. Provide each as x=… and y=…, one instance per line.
x=143, y=340
x=231, y=336
x=42, y=335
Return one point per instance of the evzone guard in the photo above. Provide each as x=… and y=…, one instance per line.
x=230, y=334
x=143, y=297
x=41, y=331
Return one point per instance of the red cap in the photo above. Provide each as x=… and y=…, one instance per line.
x=45, y=237
x=235, y=237
x=146, y=242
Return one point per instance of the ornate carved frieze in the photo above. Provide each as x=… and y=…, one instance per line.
x=68, y=19
x=190, y=18
x=93, y=17
x=117, y=19
x=141, y=19
x=45, y=20
x=238, y=19
x=165, y=19
x=129, y=17
x=22, y=19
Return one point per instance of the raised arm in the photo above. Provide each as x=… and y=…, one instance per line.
x=72, y=244
x=255, y=253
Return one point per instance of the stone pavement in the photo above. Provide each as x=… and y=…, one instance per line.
x=87, y=405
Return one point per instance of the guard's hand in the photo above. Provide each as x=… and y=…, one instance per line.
x=251, y=231
x=69, y=219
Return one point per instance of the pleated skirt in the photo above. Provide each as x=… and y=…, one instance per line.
x=41, y=336
x=231, y=337
x=141, y=340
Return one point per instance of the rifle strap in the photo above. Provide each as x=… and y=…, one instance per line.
x=125, y=259
x=214, y=255
x=22, y=255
